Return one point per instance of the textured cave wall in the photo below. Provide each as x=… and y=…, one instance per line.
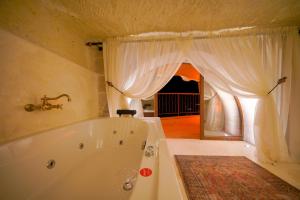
x=45, y=26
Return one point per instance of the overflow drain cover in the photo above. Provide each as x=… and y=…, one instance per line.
x=145, y=172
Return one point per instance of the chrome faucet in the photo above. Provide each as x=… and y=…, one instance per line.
x=45, y=104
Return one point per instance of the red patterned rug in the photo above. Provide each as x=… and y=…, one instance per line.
x=231, y=177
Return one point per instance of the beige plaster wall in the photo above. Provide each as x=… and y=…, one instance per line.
x=28, y=71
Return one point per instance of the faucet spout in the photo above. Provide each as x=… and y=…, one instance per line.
x=48, y=106
x=55, y=98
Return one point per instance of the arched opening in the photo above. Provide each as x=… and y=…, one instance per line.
x=179, y=104
x=190, y=108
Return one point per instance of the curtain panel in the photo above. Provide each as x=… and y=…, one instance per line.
x=139, y=70
x=247, y=66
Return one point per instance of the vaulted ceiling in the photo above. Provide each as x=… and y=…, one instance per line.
x=106, y=18
x=41, y=21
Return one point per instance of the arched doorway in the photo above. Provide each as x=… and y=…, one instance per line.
x=180, y=104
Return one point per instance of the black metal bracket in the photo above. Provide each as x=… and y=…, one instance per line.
x=99, y=45
x=126, y=112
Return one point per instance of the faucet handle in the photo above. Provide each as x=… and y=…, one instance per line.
x=44, y=98
x=30, y=107
x=60, y=106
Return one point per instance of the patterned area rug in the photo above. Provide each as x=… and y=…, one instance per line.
x=231, y=177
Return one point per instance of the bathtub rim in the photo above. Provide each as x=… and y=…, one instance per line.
x=89, y=120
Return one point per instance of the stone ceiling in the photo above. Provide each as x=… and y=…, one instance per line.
x=106, y=18
x=75, y=21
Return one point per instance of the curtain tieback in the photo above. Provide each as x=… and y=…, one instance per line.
x=280, y=81
x=112, y=85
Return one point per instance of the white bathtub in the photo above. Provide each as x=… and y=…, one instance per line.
x=90, y=160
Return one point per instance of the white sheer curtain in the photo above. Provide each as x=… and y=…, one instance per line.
x=250, y=66
x=242, y=65
x=215, y=118
x=138, y=70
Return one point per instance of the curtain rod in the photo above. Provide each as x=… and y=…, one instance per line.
x=210, y=34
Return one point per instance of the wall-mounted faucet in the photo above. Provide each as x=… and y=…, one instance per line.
x=45, y=104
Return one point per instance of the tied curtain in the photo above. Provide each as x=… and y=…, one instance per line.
x=250, y=66
x=139, y=70
x=247, y=66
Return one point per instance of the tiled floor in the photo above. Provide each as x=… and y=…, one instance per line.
x=182, y=127
x=186, y=127
x=215, y=133
x=286, y=171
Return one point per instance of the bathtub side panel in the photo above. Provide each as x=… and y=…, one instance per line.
x=23, y=163
x=168, y=182
x=111, y=147
x=146, y=187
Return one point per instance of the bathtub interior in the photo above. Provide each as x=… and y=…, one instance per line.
x=92, y=161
